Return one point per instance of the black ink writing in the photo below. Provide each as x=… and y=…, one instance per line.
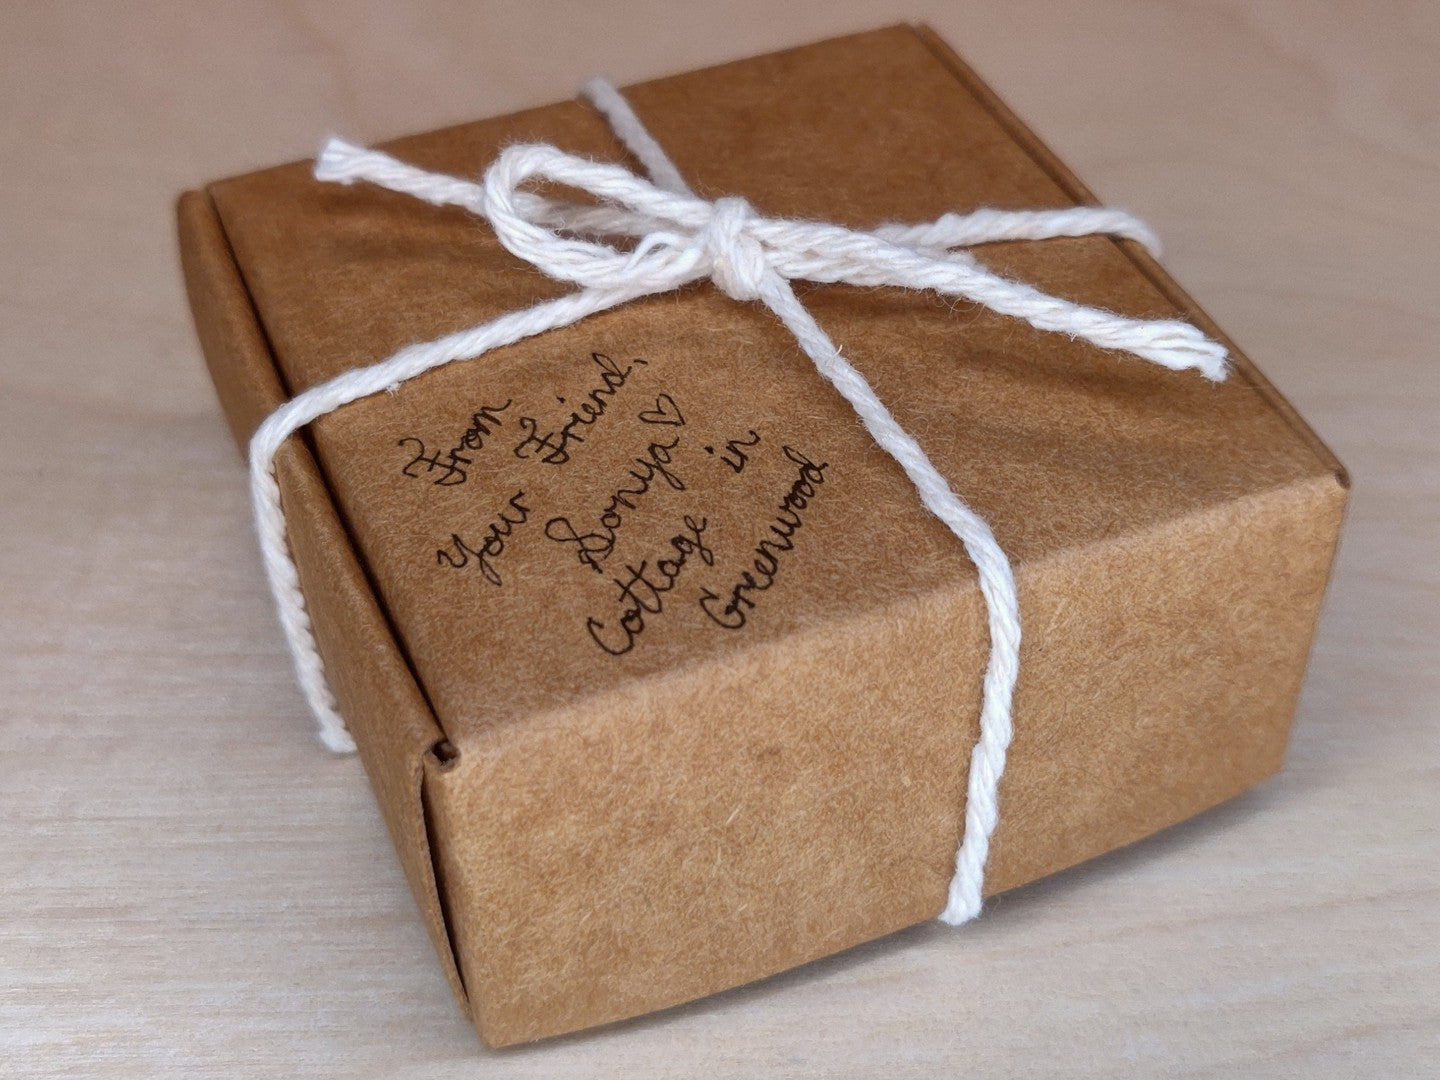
x=642, y=589
x=450, y=464
x=483, y=423
x=734, y=454
x=492, y=544
x=733, y=609
x=595, y=546
x=665, y=412
x=552, y=446
x=450, y=467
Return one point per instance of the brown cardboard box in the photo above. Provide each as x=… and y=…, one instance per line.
x=599, y=821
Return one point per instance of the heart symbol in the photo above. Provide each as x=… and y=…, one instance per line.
x=665, y=412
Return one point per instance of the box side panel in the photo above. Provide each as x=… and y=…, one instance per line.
x=391, y=721
x=236, y=352
x=1160, y=675
x=692, y=834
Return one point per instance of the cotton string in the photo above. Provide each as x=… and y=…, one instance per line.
x=680, y=238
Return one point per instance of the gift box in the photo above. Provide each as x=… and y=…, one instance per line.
x=664, y=677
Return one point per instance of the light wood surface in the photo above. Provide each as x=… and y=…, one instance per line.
x=190, y=886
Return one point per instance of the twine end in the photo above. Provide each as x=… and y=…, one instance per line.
x=336, y=161
x=336, y=739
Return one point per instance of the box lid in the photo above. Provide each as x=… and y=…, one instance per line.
x=1058, y=444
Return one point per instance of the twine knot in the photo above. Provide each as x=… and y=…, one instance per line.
x=737, y=260
x=681, y=238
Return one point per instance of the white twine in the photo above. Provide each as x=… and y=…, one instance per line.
x=681, y=238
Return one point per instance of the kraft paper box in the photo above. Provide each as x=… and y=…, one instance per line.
x=615, y=789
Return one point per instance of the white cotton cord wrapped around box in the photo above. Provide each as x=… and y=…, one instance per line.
x=681, y=238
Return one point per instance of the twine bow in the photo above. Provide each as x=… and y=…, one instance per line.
x=681, y=238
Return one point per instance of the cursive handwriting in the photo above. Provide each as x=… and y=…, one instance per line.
x=594, y=547
x=492, y=545
x=451, y=466
x=642, y=590
x=553, y=446
x=734, y=454
x=738, y=603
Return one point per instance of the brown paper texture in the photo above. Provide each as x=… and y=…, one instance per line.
x=665, y=679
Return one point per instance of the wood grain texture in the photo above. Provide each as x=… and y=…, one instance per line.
x=189, y=886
